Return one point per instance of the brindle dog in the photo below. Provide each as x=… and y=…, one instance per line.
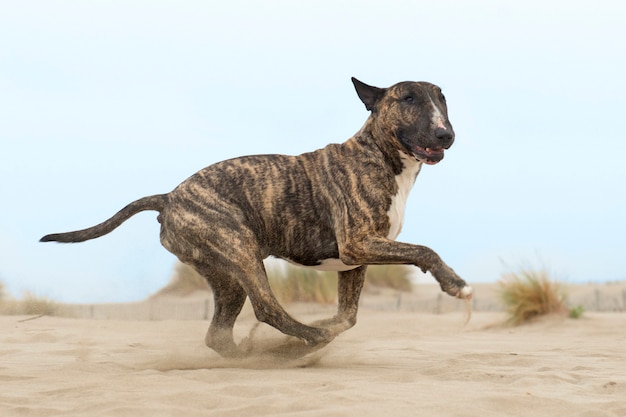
x=338, y=208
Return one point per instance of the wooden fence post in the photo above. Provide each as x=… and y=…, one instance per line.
x=438, y=306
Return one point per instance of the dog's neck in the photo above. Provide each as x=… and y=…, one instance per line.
x=389, y=155
x=373, y=138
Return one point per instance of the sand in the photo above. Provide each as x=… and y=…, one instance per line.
x=390, y=364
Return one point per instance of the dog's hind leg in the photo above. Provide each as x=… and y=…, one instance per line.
x=268, y=310
x=248, y=277
x=229, y=256
x=231, y=281
x=229, y=298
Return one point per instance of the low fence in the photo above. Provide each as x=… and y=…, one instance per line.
x=147, y=310
x=603, y=301
x=431, y=301
x=597, y=301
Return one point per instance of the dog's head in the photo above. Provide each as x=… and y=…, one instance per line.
x=414, y=113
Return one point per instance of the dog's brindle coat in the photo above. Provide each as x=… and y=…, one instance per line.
x=338, y=208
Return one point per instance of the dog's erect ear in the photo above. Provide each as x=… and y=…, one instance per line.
x=369, y=95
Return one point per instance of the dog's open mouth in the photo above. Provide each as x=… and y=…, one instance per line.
x=429, y=156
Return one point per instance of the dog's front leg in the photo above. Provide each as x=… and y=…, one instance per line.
x=382, y=251
x=350, y=284
x=349, y=291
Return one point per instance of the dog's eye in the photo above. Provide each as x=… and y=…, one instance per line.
x=409, y=99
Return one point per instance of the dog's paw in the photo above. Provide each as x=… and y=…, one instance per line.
x=293, y=348
x=458, y=289
x=335, y=324
x=465, y=293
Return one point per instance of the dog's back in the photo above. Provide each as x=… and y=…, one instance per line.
x=293, y=204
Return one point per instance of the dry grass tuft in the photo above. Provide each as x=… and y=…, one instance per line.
x=295, y=284
x=34, y=304
x=530, y=294
x=397, y=277
x=185, y=280
x=30, y=304
x=292, y=283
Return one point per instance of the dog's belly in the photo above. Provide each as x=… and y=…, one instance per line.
x=327, y=265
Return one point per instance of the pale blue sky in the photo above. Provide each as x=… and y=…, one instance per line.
x=103, y=102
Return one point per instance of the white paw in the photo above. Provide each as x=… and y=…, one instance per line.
x=466, y=293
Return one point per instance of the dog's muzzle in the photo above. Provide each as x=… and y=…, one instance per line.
x=429, y=156
x=432, y=153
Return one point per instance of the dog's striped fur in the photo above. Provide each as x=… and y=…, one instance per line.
x=340, y=207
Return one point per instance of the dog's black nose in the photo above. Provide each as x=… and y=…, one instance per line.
x=445, y=135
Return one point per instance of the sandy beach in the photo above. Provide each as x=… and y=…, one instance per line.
x=392, y=363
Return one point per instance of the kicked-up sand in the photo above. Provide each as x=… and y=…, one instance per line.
x=389, y=364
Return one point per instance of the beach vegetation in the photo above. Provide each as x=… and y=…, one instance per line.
x=29, y=304
x=576, y=312
x=291, y=283
x=528, y=294
x=184, y=281
x=397, y=277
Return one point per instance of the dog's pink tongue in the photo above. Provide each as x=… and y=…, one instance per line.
x=425, y=154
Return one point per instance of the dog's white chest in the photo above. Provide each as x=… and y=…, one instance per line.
x=405, y=181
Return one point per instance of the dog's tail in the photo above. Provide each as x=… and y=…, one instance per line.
x=154, y=202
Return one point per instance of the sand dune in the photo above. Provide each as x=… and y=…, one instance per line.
x=390, y=364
